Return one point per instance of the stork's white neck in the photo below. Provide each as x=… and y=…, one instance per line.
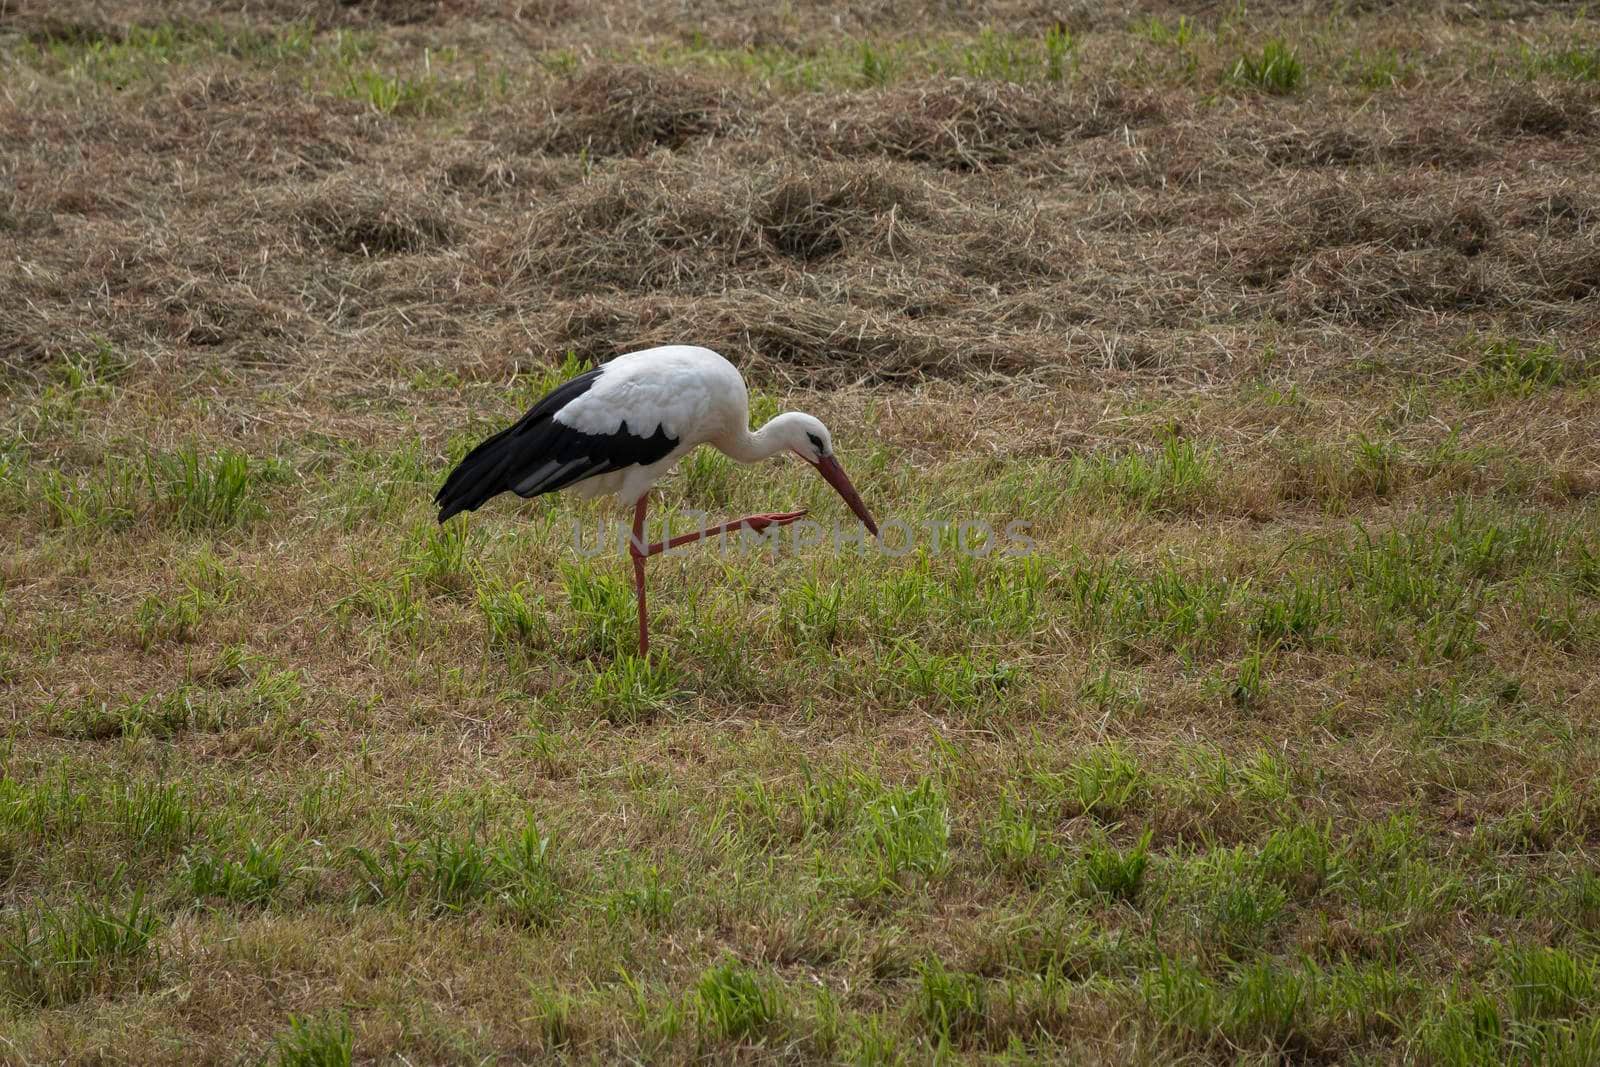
x=776, y=436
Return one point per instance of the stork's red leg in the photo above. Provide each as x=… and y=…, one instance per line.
x=756, y=523
x=639, y=556
x=640, y=552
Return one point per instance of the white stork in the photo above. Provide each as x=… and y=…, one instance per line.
x=621, y=427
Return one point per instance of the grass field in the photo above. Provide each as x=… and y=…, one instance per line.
x=1279, y=323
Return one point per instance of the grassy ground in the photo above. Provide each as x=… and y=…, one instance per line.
x=1279, y=326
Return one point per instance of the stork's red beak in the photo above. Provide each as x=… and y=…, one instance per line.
x=829, y=468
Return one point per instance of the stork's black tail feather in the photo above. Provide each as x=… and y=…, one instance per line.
x=478, y=477
x=487, y=470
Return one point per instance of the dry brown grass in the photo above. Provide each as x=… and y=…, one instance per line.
x=624, y=110
x=961, y=125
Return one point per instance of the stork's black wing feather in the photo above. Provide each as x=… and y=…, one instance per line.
x=540, y=455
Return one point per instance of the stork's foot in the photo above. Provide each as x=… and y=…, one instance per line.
x=772, y=518
x=755, y=523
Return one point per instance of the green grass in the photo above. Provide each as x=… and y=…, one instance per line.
x=1264, y=1008
x=1382, y=70
x=171, y=45
x=1102, y=782
x=107, y=505
x=1015, y=843
x=438, y=557
x=324, y=1041
x=340, y=60
x=991, y=54
x=951, y=1004
x=601, y=609
x=1176, y=33
x=1577, y=62
x=55, y=955
x=1510, y=367
x=154, y=816
x=513, y=616
x=900, y=832
x=513, y=875
x=394, y=94
x=1277, y=69
x=1001, y=57
x=252, y=878
x=634, y=689
x=199, y=492
x=730, y=1002
x=1113, y=873
x=1179, y=477
x=208, y=587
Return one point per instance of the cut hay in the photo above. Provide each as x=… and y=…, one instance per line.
x=1381, y=251
x=666, y=225
x=367, y=218
x=1570, y=272
x=643, y=226
x=1370, y=284
x=1384, y=217
x=813, y=216
x=965, y=125
x=206, y=313
x=796, y=339
x=1534, y=112
x=1561, y=212
x=624, y=110
x=1333, y=146
x=266, y=133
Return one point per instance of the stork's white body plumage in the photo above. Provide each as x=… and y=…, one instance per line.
x=692, y=394
x=619, y=429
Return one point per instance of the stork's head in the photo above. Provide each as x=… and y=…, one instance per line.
x=807, y=438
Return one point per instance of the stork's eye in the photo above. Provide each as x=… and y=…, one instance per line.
x=816, y=442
